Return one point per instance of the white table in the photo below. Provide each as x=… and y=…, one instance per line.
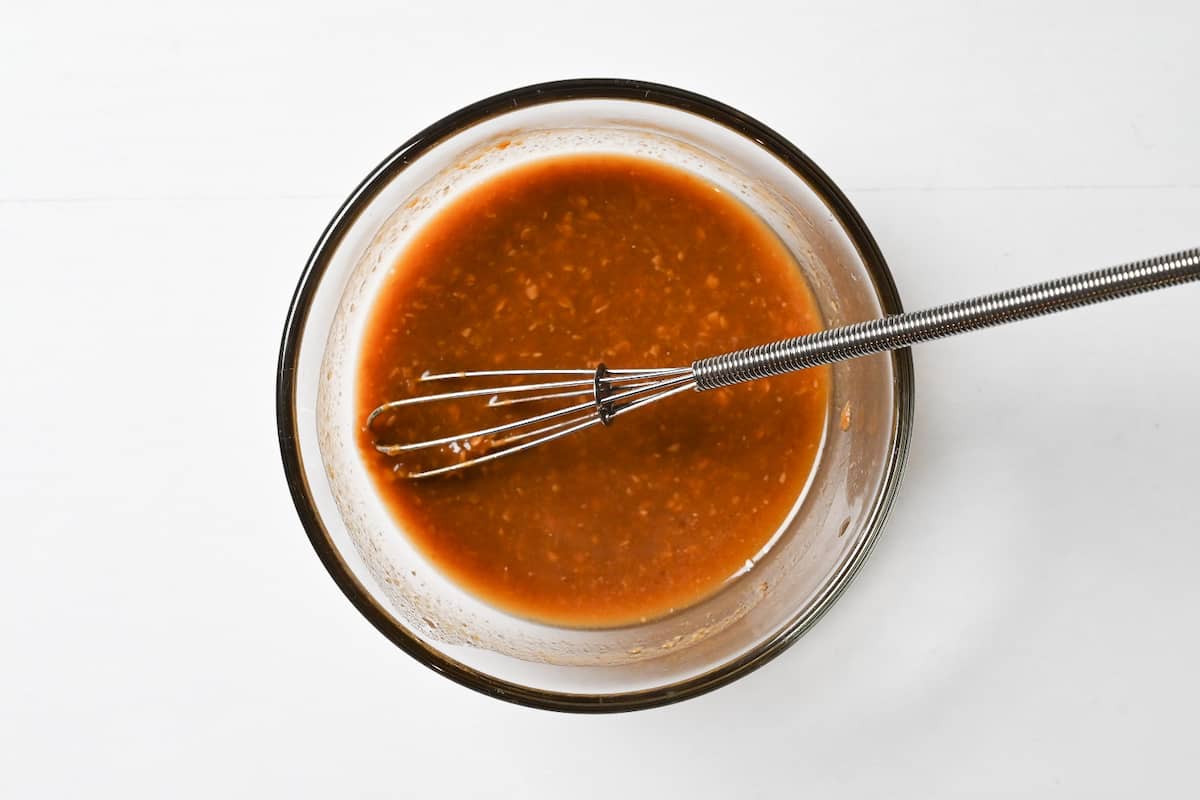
x=1027, y=621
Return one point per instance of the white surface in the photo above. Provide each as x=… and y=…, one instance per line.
x=1027, y=621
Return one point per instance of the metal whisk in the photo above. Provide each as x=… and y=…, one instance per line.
x=610, y=393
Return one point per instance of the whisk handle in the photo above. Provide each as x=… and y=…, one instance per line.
x=903, y=330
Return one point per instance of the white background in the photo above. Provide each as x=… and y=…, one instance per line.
x=1028, y=620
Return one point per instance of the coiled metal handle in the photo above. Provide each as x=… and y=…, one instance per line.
x=902, y=330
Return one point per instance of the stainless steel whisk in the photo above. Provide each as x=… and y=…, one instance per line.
x=611, y=393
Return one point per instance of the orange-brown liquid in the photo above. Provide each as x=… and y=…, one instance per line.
x=562, y=264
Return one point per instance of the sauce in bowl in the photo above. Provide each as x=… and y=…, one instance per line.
x=563, y=263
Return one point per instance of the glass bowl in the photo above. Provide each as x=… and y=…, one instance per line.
x=754, y=616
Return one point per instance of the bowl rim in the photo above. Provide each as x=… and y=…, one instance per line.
x=360, y=198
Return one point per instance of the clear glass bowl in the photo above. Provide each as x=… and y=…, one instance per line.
x=755, y=616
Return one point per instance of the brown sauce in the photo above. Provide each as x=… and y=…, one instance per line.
x=564, y=263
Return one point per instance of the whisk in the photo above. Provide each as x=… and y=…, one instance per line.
x=597, y=396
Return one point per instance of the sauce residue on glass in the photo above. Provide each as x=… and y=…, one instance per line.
x=563, y=263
